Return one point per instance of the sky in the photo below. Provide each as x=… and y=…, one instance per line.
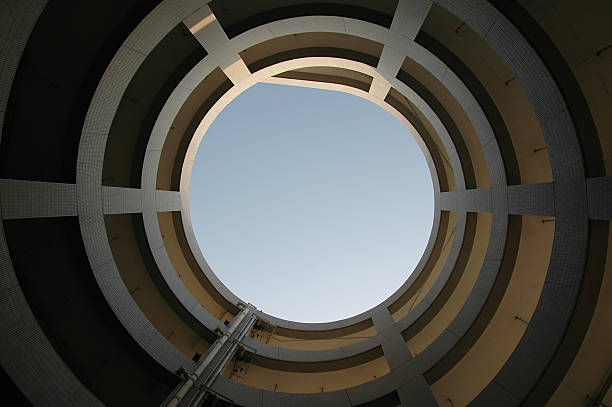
x=313, y=205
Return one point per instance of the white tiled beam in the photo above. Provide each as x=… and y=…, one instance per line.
x=409, y=17
x=407, y=21
x=167, y=201
x=527, y=199
x=393, y=344
x=379, y=87
x=416, y=391
x=206, y=29
x=117, y=200
x=21, y=199
x=235, y=68
x=130, y=200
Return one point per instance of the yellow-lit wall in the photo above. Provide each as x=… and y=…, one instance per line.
x=292, y=382
x=487, y=356
x=453, y=304
x=508, y=97
x=437, y=266
x=138, y=281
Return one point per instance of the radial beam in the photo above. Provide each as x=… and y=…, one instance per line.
x=117, y=200
x=409, y=17
x=527, y=199
x=21, y=199
x=206, y=29
x=407, y=21
x=415, y=391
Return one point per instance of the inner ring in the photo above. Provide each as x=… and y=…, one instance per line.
x=265, y=75
x=275, y=230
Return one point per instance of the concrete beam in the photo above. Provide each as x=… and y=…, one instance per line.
x=20, y=199
x=470, y=200
x=409, y=17
x=531, y=199
x=206, y=29
x=379, y=87
x=118, y=200
x=394, y=347
x=417, y=393
x=167, y=201
x=527, y=199
x=407, y=21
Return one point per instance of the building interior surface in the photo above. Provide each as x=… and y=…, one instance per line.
x=107, y=300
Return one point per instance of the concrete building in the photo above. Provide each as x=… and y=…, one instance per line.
x=106, y=298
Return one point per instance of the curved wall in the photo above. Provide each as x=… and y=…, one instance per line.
x=105, y=293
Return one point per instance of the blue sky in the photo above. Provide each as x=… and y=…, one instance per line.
x=312, y=205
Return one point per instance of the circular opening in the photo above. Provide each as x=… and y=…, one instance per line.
x=313, y=205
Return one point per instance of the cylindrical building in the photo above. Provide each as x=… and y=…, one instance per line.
x=107, y=299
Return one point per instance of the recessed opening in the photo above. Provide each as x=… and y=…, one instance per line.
x=313, y=205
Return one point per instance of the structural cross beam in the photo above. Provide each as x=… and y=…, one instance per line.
x=22, y=199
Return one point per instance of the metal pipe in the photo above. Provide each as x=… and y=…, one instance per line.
x=201, y=366
x=223, y=362
x=220, y=366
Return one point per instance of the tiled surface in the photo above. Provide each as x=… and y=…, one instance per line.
x=121, y=200
x=16, y=23
x=531, y=199
x=31, y=199
x=532, y=355
x=599, y=195
x=30, y=359
x=25, y=352
x=409, y=16
x=90, y=200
